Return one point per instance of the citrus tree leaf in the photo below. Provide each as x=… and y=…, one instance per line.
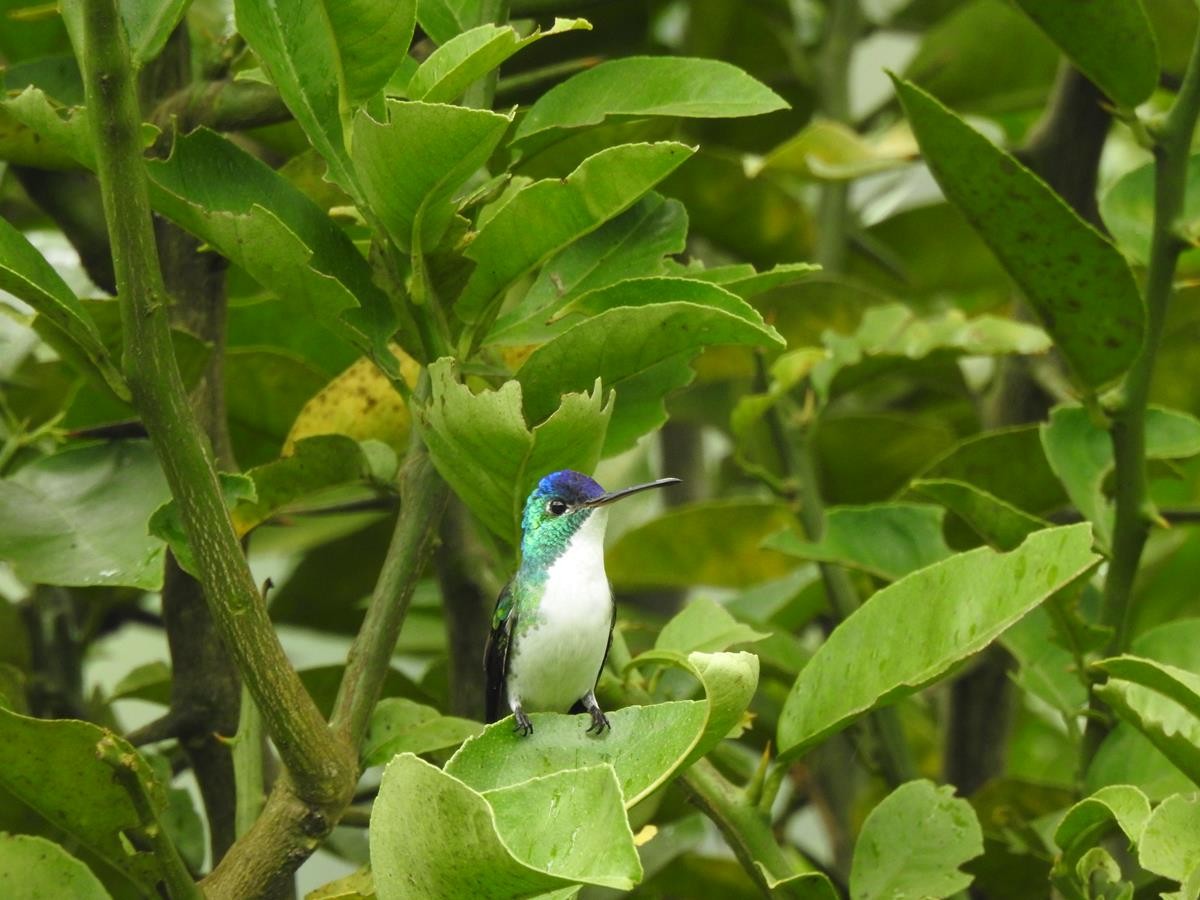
x=371, y=38
x=53, y=767
x=546, y=215
x=827, y=150
x=1081, y=455
x=482, y=446
x=450, y=69
x=646, y=746
x=1128, y=209
x=411, y=163
x=149, y=23
x=715, y=542
x=1160, y=700
x=443, y=19
x=433, y=836
x=399, y=725
x=79, y=517
x=1080, y=286
x=650, y=86
x=704, y=626
x=1170, y=842
x=1000, y=524
x=951, y=610
x=888, y=540
x=1092, y=818
x=633, y=245
x=1110, y=42
x=641, y=345
x=26, y=275
x=913, y=844
x=32, y=867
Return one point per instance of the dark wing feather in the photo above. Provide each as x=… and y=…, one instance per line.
x=495, y=654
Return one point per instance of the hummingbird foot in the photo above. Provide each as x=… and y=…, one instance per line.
x=599, y=719
x=523, y=727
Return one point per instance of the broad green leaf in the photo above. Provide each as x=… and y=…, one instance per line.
x=827, y=150
x=1077, y=282
x=411, y=164
x=913, y=844
x=150, y=681
x=715, y=542
x=1109, y=41
x=1089, y=820
x=1047, y=670
x=433, y=836
x=371, y=38
x=1128, y=209
x=1081, y=455
x=297, y=44
x=650, y=86
x=1170, y=843
x=1161, y=701
x=79, y=517
x=54, y=768
x=482, y=446
x=166, y=523
x=888, y=540
x=705, y=626
x=633, y=245
x=26, y=275
x=1000, y=524
x=450, y=69
x=443, y=19
x=659, y=335
x=287, y=243
x=950, y=611
x=646, y=745
x=33, y=867
x=63, y=135
x=750, y=283
x=896, y=331
x=547, y=215
x=362, y=403
x=149, y=23
x=399, y=725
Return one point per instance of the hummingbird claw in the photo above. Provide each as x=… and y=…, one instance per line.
x=599, y=721
x=523, y=726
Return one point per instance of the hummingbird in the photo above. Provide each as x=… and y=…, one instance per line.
x=552, y=627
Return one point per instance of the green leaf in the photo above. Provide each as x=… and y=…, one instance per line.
x=149, y=23
x=27, y=276
x=53, y=767
x=150, y=681
x=913, y=844
x=399, y=725
x=750, y=283
x=1128, y=209
x=1076, y=281
x=1000, y=524
x=704, y=626
x=662, y=324
x=1090, y=820
x=450, y=69
x=79, y=517
x=1081, y=455
x=33, y=867
x=443, y=19
x=715, y=542
x=1170, y=843
x=166, y=523
x=950, y=611
x=896, y=331
x=482, y=446
x=411, y=164
x=888, y=540
x=633, y=245
x=650, y=86
x=371, y=39
x=287, y=243
x=827, y=150
x=646, y=746
x=433, y=836
x=1109, y=41
x=1160, y=700
x=547, y=215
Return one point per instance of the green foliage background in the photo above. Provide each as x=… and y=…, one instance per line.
x=903, y=290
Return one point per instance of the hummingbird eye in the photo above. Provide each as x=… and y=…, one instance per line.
x=556, y=507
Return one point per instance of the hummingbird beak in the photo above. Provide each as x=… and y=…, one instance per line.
x=611, y=496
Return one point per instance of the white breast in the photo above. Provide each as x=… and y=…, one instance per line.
x=557, y=662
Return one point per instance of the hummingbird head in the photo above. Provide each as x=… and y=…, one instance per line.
x=561, y=503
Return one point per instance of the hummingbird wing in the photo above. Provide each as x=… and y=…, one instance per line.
x=495, y=654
